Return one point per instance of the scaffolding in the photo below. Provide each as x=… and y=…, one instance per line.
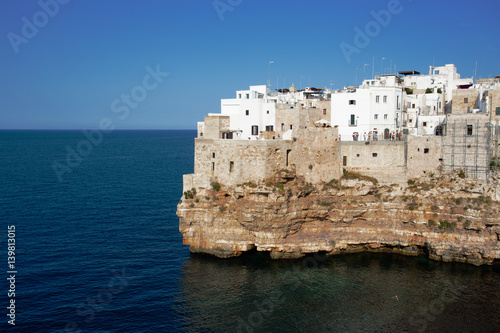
x=466, y=146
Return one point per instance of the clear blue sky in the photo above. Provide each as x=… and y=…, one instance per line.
x=86, y=55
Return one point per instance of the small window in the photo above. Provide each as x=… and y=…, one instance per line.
x=357, y=155
x=497, y=111
x=413, y=105
x=385, y=99
x=466, y=100
x=344, y=160
x=352, y=102
x=282, y=126
x=267, y=111
x=324, y=111
x=374, y=154
x=469, y=130
x=375, y=116
x=269, y=128
x=290, y=126
x=424, y=124
x=385, y=116
x=213, y=166
x=231, y=166
x=248, y=96
x=213, y=155
x=426, y=150
x=247, y=112
x=377, y=99
x=239, y=96
x=255, y=130
x=201, y=134
x=410, y=120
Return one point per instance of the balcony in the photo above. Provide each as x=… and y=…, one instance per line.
x=350, y=123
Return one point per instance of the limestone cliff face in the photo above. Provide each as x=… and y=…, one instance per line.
x=448, y=219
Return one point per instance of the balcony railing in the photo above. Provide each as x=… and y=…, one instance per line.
x=350, y=123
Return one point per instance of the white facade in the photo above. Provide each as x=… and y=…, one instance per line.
x=373, y=108
x=444, y=77
x=251, y=112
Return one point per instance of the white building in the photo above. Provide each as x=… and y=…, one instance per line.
x=374, y=107
x=250, y=113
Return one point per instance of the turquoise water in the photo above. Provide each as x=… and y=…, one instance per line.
x=101, y=252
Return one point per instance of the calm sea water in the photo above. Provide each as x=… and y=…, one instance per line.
x=101, y=252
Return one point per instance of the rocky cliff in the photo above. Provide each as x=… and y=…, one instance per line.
x=447, y=218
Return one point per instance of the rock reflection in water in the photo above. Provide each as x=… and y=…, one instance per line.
x=357, y=292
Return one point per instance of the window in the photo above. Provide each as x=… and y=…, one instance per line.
x=324, y=111
x=213, y=166
x=357, y=155
x=469, y=130
x=424, y=124
x=201, y=133
x=352, y=102
x=255, y=130
x=288, y=156
x=374, y=154
x=468, y=109
x=385, y=99
x=231, y=166
x=497, y=111
x=352, y=120
x=375, y=116
x=248, y=96
x=413, y=105
x=290, y=126
x=377, y=99
x=397, y=102
x=385, y=116
x=247, y=112
x=239, y=96
x=282, y=126
x=213, y=155
x=344, y=160
x=269, y=128
x=436, y=72
x=466, y=100
x=410, y=120
x=267, y=111
x=426, y=150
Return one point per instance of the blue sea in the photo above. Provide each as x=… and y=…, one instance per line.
x=98, y=250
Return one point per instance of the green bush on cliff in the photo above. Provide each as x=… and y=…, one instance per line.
x=445, y=225
x=431, y=223
x=215, y=186
x=354, y=175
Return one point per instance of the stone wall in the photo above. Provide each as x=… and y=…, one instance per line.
x=215, y=125
x=464, y=101
x=232, y=162
x=423, y=156
x=315, y=154
x=384, y=160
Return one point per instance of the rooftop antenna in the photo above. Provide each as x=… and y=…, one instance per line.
x=373, y=68
x=355, y=76
x=382, y=66
x=269, y=75
x=479, y=67
x=300, y=82
x=364, y=71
